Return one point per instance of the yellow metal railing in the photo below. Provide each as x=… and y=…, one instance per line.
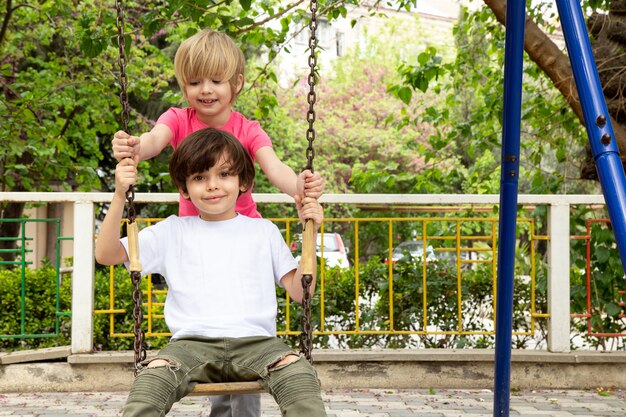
x=457, y=243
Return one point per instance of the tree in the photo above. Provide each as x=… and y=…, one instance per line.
x=56, y=101
x=608, y=44
x=463, y=151
x=59, y=69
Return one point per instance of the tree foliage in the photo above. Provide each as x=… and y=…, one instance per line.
x=59, y=71
x=465, y=146
x=56, y=98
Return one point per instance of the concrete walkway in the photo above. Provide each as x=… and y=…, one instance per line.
x=343, y=403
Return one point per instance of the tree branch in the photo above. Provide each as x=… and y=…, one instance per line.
x=69, y=118
x=5, y=21
x=556, y=65
x=269, y=18
x=7, y=18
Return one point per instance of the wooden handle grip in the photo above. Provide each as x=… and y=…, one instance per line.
x=133, y=247
x=308, y=259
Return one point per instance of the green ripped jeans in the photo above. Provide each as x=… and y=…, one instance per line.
x=294, y=386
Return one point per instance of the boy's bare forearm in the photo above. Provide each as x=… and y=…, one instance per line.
x=109, y=250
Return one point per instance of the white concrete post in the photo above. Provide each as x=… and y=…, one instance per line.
x=83, y=278
x=558, y=278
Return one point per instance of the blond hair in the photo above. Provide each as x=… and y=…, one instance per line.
x=209, y=54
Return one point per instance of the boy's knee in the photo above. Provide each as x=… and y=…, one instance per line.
x=293, y=379
x=155, y=363
x=284, y=361
x=154, y=388
x=168, y=365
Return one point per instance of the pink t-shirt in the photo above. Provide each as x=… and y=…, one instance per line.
x=183, y=122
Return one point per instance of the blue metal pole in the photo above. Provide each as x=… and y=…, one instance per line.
x=597, y=121
x=513, y=70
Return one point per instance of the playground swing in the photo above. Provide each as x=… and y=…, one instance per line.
x=308, y=259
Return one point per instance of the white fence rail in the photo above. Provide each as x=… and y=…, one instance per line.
x=84, y=231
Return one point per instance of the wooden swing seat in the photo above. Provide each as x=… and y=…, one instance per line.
x=228, y=388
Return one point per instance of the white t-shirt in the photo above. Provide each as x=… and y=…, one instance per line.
x=221, y=276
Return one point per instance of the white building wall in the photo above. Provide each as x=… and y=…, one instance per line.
x=430, y=23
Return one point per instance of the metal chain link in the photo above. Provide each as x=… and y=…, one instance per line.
x=306, y=339
x=306, y=342
x=122, y=61
x=312, y=81
x=138, y=346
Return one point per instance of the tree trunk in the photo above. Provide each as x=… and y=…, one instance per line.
x=555, y=64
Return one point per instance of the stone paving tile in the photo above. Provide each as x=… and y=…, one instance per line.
x=341, y=403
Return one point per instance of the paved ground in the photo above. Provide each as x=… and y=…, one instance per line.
x=343, y=403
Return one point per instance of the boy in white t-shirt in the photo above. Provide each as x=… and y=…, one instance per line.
x=221, y=269
x=210, y=70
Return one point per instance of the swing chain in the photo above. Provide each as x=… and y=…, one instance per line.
x=138, y=346
x=305, y=337
x=130, y=198
x=312, y=81
x=122, y=61
x=306, y=341
x=135, y=277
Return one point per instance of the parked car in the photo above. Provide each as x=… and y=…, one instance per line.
x=449, y=257
x=334, y=251
x=412, y=248
x=469, y=258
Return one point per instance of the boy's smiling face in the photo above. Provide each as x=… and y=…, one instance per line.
x=214, y=192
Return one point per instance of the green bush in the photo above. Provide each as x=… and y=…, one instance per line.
x=339, y=307
x=40, y=310
x=123, y=322
x=606, y=283
x=442, y=309
x=40, y=313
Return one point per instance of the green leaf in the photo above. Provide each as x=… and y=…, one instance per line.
x=423, y=58
x=602, y=254
x=612, y=309
x=90, y=47
x=405, y=94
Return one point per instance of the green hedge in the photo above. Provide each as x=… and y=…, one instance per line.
x=442, y=307
x=123, y=323
x=40, y=308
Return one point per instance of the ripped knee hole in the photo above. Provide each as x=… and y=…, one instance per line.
x=284, y=361
x=158, y=362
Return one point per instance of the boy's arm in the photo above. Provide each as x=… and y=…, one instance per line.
x=308, y=208
x=146, y=146
x=109, y=250
x=285, y=179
